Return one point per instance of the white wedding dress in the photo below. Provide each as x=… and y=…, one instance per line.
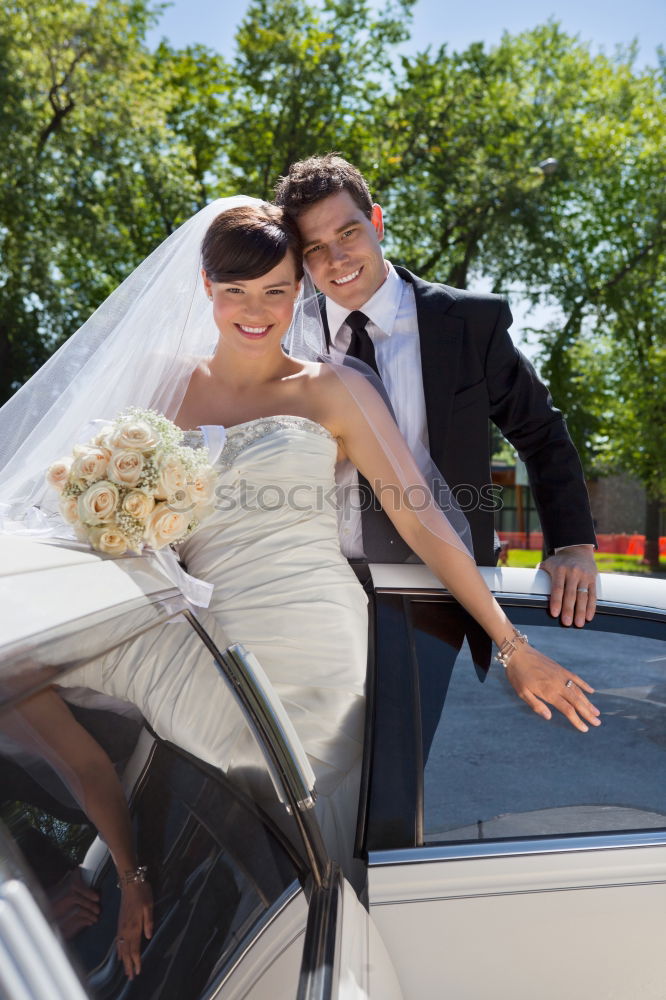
x=284, y=590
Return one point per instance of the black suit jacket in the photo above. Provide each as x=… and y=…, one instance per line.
x=472, y=372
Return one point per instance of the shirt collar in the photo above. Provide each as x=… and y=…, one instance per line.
x=381, y=308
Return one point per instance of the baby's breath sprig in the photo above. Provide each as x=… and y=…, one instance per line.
x=149, y=475
x=73, y=489
x=132, y=528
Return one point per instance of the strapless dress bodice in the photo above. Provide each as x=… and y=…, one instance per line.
x=274, y=503
x=239, y=437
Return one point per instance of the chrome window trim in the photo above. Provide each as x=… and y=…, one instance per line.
x=253, y=935
x=517, y=848
x=530, y=600
x=282, y=760
x=632, y=619
x=240, y=669
x=320, y=966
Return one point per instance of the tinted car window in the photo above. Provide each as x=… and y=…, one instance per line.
x=485, y=766
x=219, y=859
x=496, y=770
x=217, y=867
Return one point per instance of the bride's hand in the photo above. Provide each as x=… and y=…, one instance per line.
x=135, y=918
x=537, y=679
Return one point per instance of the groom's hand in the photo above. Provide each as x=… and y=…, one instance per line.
x=574, y=582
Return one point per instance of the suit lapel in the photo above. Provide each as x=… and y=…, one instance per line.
x=440, y=336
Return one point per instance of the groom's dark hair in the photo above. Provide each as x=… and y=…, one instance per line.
x=308, y=181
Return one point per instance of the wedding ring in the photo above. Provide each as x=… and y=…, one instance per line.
x=569, y=683
x=582, y=590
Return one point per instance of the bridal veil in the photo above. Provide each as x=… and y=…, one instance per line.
x=139, y=348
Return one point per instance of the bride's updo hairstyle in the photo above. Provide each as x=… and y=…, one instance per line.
x=249, y=241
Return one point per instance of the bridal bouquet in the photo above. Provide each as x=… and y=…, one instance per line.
x=134, y=485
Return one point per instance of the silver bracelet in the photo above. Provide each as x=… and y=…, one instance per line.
x=140, y=874
x=509, y=647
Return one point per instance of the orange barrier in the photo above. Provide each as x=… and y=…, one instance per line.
x=630, y=545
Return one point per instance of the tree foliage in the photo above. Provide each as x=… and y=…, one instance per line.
x=460, y=170
x=107, y=146
x=92, y=177
x=307, y=78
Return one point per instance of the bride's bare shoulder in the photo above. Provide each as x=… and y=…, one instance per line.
x=337, y=393
x=331, y=377
x=323, y=385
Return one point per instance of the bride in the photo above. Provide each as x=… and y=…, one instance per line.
x=198, y=332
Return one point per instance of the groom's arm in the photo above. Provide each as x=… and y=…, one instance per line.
x=522, y=408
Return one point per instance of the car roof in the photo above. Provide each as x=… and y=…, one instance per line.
x=45, y=586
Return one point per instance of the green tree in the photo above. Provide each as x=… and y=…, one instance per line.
x=200, y=112
x=635, y=375
x=306, y=78
x=604, y=254
x=107, y=147
x=458, y=166
x=460, y=140
x=92, y=177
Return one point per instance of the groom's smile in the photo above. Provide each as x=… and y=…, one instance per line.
x=341, y=248
x=347, y=278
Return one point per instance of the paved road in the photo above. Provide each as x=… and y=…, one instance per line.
x=492, y=757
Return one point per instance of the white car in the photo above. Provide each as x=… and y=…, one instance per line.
x=506, y=856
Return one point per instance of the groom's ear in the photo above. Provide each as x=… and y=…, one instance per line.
x=377, y=219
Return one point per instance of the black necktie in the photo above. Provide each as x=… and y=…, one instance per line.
x=361, y=346
x=381, y=542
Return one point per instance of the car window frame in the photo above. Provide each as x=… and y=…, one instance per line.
x=379, y=767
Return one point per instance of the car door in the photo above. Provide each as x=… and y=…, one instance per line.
x=247, y=901
x=509, y=855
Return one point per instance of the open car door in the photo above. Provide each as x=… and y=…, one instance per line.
x=248, y=903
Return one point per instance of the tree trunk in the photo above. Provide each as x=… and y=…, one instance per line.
x=652, y=518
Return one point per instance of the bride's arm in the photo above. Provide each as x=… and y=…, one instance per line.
x=44, y=724
x=371, y=440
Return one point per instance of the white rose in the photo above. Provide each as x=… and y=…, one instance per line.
x=172, y=480
x=103, y=438
x=109, y=539
x=125, y=467
x=56, y=474
x=138, y=504
x=165, y=526
x=69, y=508
x=99, y=503
x=135, y=435
x=89, y=463
x=201, y=488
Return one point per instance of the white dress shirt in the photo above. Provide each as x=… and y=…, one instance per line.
x=393, y=329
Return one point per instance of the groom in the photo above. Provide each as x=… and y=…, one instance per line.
x=448, y=364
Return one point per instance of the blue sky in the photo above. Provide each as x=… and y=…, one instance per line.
x=602, y=23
